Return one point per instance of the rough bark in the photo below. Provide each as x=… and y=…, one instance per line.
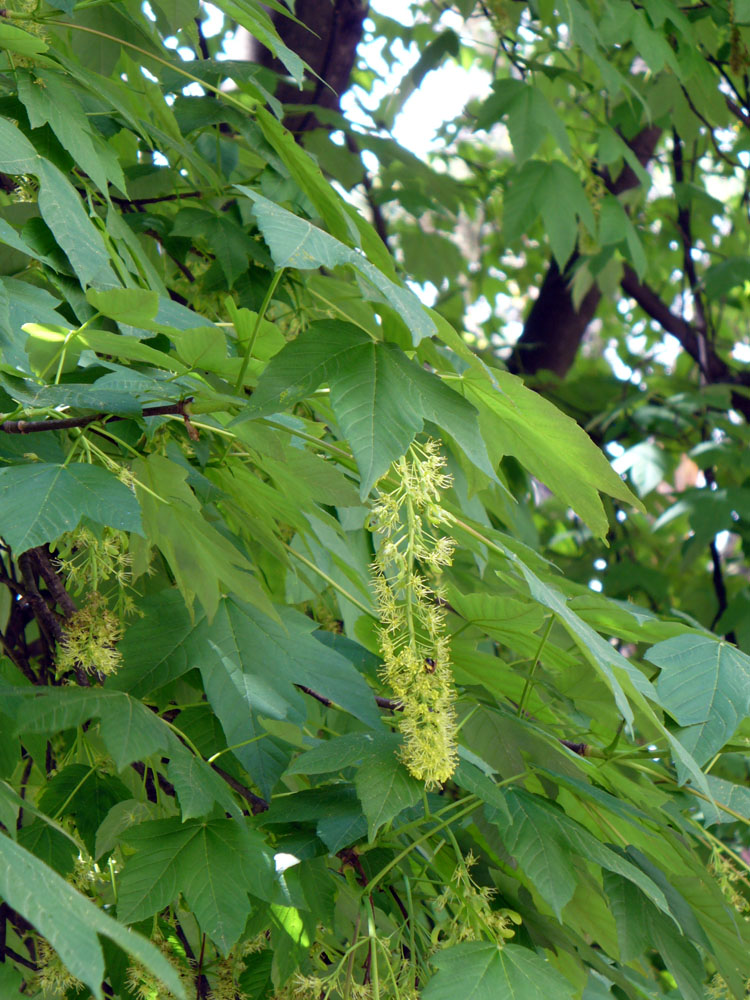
x=327, y=40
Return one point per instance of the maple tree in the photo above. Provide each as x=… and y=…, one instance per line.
x=338, y=659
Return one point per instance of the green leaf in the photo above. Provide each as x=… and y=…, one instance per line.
x=544, y=841
x=61, y=208
x=308, y=176
x=486, y=971
x=385, y=788
x=41, y=895
x=334, y=810
x=119, y=346
x=80, y=396
x=160, y=645
x=705, y=687
x=469, y=777
x=129, y=729
x=256, y=980
x=341, y=826
x=82, y=792
x=381, y=398
x=9, y=237
x=232, y=652
x=77, y=236
x=120, y=817
x=721, y=278
x=212, y=864
x=239, y=687
x=631, y=911
x=17, y=40
x=198, y=787
x=338, y=753
x=541, y=852
x=554, y=191
x=294, y=242
x=616, y=671
x=48, y=98
x=529, y=113
x=134, y=306
x=204, y=561
x=255, y=19
x=50, y=846
x=641, y=927
x=615, y=227
x=726, y=793
x=516, y=421
x=39, y=502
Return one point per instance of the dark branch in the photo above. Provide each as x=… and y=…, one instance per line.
x=26, y=962
x=714, y=369
x=35, y=426
x=329, y=49
x=257, y=804
x=54, y=584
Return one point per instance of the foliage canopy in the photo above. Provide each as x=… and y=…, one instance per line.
x=305, y=689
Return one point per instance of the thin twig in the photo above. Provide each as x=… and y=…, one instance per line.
x=257, y=804
x=37, y=426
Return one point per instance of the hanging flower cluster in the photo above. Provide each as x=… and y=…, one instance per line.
x=90, y=640
x=415, y=648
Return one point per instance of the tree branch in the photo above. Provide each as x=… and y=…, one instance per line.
x=257, y=804
x=329, y=49
x=57, y=590
x=36, y=426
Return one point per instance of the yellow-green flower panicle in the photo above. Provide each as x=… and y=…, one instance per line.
x=415, y=648
x=90, y=640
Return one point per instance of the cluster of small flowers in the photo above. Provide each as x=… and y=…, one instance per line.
x=90, y=641
x=473, y=918
x=52, y=977
x=86, y=561
x=144, y=985
x=86, y=874
x=727, y=874
x=396, y=985
x=415, y=649
x=719, y=989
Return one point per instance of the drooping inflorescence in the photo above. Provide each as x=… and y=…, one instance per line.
x=413, y=640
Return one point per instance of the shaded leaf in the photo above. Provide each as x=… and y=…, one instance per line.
x=40, y=502
x=129, y=729
x=385, y=788
x=84, y=793
x=212, y=864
